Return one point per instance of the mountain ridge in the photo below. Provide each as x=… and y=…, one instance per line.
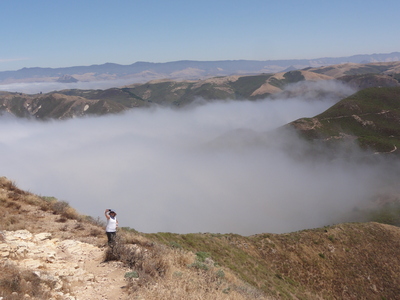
x=168, y=69
x=70, y=103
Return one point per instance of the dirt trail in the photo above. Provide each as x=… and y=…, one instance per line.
x=81, y=265
x=108, y=279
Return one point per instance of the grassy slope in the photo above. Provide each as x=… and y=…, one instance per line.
x=354, y=260
x=358, y=260
x=371, y=116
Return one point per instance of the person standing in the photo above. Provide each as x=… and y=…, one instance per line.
x=112, y=225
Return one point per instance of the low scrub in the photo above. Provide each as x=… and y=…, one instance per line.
x=16, y=284
x=176, y=272
x=150, y=264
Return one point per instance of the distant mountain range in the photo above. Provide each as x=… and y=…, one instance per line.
x=186, y=69
x=70, y=103
x=369, y=117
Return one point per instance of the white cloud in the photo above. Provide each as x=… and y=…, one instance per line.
x=45, y=87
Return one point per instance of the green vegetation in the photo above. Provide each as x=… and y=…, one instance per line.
x=293, y=76
x=323, y=70
x=367, y=69
x=371, y=116
x=386, y=214
x=246, y=85
x=290, y=77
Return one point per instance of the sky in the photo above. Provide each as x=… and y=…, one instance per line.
x=47, y=33
x=209, y=167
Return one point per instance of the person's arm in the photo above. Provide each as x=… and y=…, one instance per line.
x=106, y=214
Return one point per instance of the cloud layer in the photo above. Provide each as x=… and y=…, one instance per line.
x=45, y=87
x=206, y=168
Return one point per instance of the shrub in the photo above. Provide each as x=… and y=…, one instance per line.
x=59, y=207
x=201, y=256
x=96, y=232
x=147, y=262
x=220, y=273
x=174, y=244
x=96, y=222
x=199, y=265
x=203, y=261
x=62, y=220
x=13, y=280
x=62, y=208
x=79, y=226
x=132, y=274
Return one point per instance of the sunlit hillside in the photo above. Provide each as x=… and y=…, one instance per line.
x=40, y=236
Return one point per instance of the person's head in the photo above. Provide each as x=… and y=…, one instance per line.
x=112, y=213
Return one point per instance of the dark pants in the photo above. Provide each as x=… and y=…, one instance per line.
x=111, y=237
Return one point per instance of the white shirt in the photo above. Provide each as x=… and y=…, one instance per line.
x=111, y=225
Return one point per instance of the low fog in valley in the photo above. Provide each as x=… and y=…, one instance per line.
x=50, y=86
x=209, y=167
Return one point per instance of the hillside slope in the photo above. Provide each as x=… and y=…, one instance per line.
x=48, y=250
x=77, y=103
x=370, y=117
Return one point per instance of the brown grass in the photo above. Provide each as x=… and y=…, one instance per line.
x=16, y=284
x=23, y=210
x=352, y=261
x=162, y=272
x=183, y=279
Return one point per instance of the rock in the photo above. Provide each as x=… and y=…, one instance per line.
x=42, y=236
x=65, y=266
x=10, y=236
x=4, y=250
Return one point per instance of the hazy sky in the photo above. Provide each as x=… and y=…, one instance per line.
x=48, y=33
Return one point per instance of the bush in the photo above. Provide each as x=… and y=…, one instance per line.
x=13, y=280
x=147, y=262
x=132, y=274
x=175, y=245
x=96, y=222
x=62, y=208
x=201, y=256
x=203, y=261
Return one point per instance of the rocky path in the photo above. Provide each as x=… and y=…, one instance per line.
x=75, y=269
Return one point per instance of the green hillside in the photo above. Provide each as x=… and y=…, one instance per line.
x=371, y=117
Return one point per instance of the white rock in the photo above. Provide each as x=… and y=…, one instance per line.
x=4, y=250
x=32, y=264
x=19, y=234
x=42, y=236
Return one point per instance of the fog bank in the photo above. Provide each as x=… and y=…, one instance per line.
x=50, y=86
x=176, y=171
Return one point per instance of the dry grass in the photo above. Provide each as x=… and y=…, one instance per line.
x=162, y=272
x=352, y=261
x=184, y=279
x=23, y=210
x=16, y=284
